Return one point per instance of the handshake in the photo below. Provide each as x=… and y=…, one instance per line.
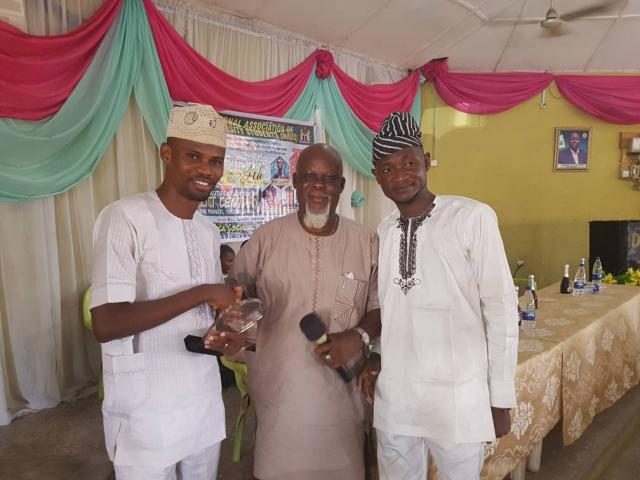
x=234, y=328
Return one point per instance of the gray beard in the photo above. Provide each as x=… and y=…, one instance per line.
x=316, y=220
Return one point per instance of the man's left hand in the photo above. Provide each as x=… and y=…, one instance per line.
x=501, y=421
x=340, y=348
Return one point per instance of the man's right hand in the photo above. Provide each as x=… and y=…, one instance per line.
x=368, y=376
x=118, y=320
x=220, y=296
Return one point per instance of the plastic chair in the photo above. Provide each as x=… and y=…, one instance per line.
x=88, y=323
x=240, y=373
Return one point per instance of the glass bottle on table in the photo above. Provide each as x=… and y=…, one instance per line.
x=565, y=284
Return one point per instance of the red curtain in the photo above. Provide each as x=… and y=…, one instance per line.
x=39, y=72
x=484, y=93
x=615, y=99
x=371, y=103
x=191, y=77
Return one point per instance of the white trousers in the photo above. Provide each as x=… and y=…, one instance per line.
x=401, y=457
x=200, y=466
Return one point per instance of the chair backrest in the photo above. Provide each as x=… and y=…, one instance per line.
x=240, y=372
x=86, y=313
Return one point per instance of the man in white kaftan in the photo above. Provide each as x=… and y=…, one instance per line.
x=449, y=321
x=156, y=274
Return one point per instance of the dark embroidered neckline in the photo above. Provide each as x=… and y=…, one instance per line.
x=407, y=261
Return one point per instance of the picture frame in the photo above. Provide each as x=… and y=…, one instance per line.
x=572, y=149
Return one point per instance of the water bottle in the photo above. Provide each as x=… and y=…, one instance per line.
x=528, y=308
x=565, y=284
x=596, y=275
x=532, y=284
x=519, y=309
x=580, y=279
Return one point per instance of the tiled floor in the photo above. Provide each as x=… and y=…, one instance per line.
x=66, y=443
x=604, y=452
x=626, y=464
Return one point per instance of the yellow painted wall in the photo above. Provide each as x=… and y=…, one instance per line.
x=506, y=160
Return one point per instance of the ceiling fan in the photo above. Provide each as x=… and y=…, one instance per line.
x=552, y=21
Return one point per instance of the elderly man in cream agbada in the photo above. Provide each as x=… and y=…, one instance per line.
x=157, y=278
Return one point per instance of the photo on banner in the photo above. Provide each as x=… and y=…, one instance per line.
x=259, y=164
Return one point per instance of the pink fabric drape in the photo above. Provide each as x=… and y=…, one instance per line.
x=484, y=93
x=371, y=103
x=191, y=77
x=615, y=99
x=39, y=72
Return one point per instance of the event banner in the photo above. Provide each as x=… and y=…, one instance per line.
x=258, y=168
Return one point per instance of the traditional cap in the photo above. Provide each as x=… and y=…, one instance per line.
x=198, y=123
x=399, y=130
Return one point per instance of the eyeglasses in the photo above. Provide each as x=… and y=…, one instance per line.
x=329, y=180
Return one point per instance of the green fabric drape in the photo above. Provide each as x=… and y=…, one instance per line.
x=43, y=158
x=348, y=134
x=151, y=91
x=39, y=159
x=416, y=108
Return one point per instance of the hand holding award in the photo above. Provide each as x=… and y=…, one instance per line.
x=235, y=327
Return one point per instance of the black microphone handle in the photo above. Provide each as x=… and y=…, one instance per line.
x=345, y=374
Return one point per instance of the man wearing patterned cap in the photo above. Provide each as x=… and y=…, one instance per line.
x=156, y=278
x=449, y=321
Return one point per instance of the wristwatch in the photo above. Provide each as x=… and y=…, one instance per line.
x=365, y=339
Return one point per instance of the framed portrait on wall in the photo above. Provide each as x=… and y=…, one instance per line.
x=573, y=148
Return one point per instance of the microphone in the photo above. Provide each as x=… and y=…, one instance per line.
x=313, y=328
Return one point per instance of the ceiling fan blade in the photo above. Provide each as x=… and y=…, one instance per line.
x=529, y=21
x=513, y=21
x=591, y=10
